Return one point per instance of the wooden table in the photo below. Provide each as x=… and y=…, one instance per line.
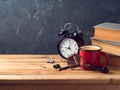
x=32, y=72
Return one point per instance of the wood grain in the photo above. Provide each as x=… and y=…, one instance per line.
x=35, y=69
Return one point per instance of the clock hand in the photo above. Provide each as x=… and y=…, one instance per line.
x=68, y=47
x=69, y=44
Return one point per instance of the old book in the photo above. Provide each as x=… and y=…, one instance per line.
x=107, y=31
x=107, y=46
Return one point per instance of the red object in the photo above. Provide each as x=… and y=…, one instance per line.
x=92, y=55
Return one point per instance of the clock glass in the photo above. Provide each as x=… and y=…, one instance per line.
x=67, y=47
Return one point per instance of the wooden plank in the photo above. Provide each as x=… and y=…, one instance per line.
x=59, y=87
x=28, y=56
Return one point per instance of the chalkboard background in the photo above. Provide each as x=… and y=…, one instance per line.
x=31, y=26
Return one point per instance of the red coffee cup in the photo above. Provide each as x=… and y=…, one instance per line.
x=91, y=54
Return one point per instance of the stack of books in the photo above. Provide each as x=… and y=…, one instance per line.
x=107, y=35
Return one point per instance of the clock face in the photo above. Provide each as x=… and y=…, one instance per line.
x=68, y=47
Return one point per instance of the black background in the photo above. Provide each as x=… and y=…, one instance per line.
x=31, y=26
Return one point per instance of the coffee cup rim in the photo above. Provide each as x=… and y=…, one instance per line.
x=83, y=47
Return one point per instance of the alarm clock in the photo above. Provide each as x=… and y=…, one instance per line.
x=71, y=40
x=67, y=47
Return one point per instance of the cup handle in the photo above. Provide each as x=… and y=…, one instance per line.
x=106, y=58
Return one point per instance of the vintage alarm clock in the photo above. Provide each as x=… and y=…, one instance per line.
x=71, y=41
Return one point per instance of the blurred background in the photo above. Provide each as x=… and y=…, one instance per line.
x=32, y=26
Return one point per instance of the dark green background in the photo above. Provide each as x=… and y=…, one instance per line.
x=31, y=26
